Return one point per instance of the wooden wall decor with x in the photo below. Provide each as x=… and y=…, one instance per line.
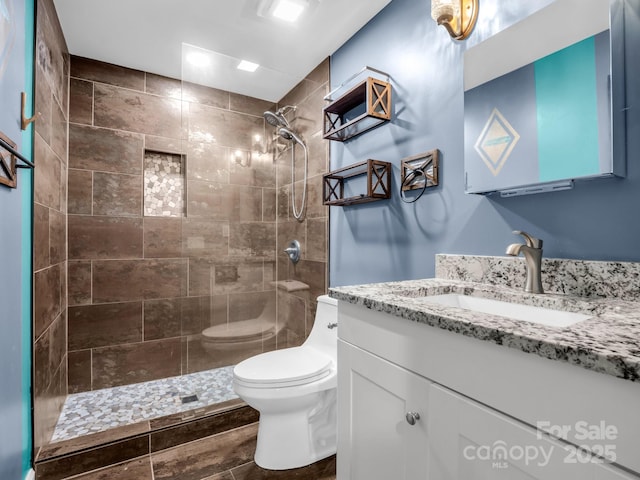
x=8, y=170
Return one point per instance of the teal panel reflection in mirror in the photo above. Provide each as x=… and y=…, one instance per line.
x=567, y=110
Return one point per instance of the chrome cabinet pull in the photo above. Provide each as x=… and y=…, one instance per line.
x=412, y=417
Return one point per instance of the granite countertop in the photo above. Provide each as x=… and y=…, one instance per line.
x=608, y=342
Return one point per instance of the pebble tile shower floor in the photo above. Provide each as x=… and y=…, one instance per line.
x=91, y=412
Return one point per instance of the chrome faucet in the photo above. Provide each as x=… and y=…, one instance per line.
x=532, y=252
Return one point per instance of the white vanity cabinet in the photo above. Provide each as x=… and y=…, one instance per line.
x=378, y=402
x=470, y=441
x=479, y=405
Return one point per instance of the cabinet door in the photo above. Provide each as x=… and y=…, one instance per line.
x=375, y=440
x=469, y=441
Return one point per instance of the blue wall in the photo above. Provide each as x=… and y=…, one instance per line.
x=390, y=240
x=15, y=251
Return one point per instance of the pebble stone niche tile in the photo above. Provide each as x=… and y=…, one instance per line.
x=91, y=412
x=163, y=185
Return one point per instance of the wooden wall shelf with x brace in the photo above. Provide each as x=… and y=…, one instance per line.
x=378, y=183
x=365, y=106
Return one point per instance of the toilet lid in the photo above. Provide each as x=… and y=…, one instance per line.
x=243, y=331
x=295, y=365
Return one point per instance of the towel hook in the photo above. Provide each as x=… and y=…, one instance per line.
x=24, y=121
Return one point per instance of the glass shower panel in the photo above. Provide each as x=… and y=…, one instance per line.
x=228, y=232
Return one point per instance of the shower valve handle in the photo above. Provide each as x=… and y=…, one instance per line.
x=293, y=250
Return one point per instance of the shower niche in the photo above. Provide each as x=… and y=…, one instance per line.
x=164, y=183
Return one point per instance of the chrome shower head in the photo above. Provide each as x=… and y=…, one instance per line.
x=285, y=133
x=275, y=119
x=289, y=134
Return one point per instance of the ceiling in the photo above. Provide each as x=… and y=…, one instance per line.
x=148, y=35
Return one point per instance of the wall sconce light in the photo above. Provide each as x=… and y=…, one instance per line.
x=241, y=157
x=457, y=16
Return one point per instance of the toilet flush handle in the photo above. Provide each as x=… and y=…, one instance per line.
x=331, y=326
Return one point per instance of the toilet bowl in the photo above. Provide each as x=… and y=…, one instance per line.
x=294, y=389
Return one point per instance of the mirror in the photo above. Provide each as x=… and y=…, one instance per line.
x=543, y=107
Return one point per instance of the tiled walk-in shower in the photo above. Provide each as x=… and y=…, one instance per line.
x=161, y=211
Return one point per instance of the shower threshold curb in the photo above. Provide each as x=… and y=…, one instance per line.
x=71, y=457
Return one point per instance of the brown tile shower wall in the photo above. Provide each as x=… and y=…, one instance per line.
x=143, y=288
x=50, y=223
x=298, y=308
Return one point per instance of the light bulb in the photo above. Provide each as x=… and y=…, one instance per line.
x=445, y=10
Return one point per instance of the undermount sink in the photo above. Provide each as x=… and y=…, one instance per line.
x=517, y=311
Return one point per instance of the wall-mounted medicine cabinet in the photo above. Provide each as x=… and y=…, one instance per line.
x=544, y=101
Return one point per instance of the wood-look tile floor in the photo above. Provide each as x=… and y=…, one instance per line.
x=224, y=456
x=144, y=469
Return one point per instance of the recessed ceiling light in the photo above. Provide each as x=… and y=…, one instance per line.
x=247, y=66
x=198, y=59
x=288, y=10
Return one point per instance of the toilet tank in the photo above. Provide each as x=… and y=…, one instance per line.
x=322, y=337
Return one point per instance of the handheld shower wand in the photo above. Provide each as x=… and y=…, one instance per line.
x=278, y=120
x=289, y=134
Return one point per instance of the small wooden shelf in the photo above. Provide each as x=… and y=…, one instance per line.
x=363, y=107
x=378, y=183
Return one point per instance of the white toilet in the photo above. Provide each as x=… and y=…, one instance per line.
x=294, y=390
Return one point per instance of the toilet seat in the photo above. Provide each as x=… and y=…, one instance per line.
x=244, y=331
x=283, y=368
